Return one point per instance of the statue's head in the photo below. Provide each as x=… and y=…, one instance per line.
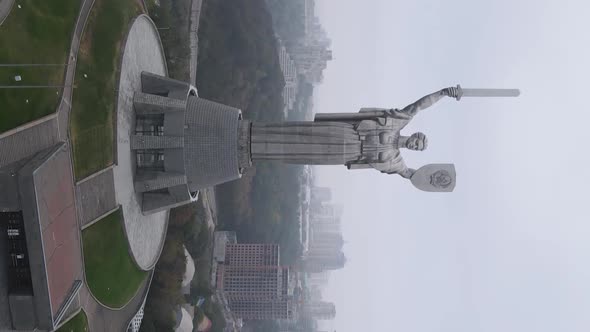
x=417, y=142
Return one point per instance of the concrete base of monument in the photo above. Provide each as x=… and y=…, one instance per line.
x=145, y=233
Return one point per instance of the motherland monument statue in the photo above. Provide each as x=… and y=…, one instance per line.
x=184, y=143
x=368, y=139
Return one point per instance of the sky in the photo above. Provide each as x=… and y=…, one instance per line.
x=509, y=249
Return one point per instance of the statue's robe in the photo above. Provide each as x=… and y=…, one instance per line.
x=367, y=139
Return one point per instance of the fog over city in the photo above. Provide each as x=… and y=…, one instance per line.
x=258, y=166
x=508, y=249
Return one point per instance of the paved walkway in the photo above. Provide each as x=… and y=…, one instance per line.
x=28, y=141
x=5, y=7
x=145, y=234
x=95, y=196
x=63, y=111
x=38, y=135
x=208, y=199
x=103, y=319
x=99, y=192
x=194, y=38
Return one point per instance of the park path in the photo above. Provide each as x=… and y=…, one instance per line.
x=38, y=135
x=194, y=38
x=95, y=196
x=35, y=136
x=64, y=108
x=27, y=140
x=92, y=197
x=104, y=319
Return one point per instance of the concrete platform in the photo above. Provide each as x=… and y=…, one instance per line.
x=95, y=196
x=143, y=51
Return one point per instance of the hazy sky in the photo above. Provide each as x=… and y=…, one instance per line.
x=509, y=250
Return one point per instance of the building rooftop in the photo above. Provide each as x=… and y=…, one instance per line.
x=41, y=215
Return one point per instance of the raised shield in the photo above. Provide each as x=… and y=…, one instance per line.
x=435, y=178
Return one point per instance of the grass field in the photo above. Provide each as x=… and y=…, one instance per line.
x=112, y=276
x=78, y=323
x=93, y=103
x=37, y=33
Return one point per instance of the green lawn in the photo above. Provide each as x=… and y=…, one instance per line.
x=111, y=274
x=38, y=32
x=78, y=323
x=93, y=104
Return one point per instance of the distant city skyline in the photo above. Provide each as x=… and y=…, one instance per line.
x=508, y=250
x=305, y=58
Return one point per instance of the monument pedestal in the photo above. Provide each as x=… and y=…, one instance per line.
x=183, y=143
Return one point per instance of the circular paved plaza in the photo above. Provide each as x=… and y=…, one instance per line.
x=143, y=52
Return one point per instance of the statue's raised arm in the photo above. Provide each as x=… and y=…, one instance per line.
x=425, y=102
x=377, y=113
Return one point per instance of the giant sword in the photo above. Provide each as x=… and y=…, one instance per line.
x=486, y=92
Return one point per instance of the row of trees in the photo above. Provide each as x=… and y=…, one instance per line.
x=273, y=196
x=187, y=227
x=288, y=17
x=165, y=294
x=172, y=17
x=238, y=60
x=239, y=66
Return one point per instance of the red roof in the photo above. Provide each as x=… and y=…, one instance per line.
x=57, y=217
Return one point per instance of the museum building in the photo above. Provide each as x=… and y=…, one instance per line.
x=41, y=264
